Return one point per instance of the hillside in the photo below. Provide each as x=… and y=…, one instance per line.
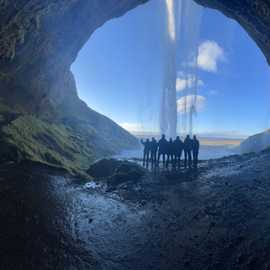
x=71, y=142
x=256, y=143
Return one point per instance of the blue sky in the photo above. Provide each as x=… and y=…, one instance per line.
x=119, y=74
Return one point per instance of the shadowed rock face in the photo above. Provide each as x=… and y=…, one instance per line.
x=39, y=41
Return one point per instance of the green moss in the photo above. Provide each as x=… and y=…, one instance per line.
x=53, y=144
x=68, y=142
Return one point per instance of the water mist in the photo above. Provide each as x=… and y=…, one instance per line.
x=182, y=42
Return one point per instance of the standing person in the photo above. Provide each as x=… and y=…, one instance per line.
x=195, y=151
x=162, y=148
x=146, y=151
x=187, y=151
x=170, y=152
x=178, y=149
x=154, y=148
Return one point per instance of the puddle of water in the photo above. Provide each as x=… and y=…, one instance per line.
x=91, y=185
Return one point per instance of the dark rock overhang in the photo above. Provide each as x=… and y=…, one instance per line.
x=46, y=35
x=41, y=38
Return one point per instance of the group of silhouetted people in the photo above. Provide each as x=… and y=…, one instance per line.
x=171, y=151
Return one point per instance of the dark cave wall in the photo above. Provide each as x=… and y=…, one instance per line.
x=40, y=39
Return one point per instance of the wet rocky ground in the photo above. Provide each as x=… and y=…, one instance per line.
x=217, y=217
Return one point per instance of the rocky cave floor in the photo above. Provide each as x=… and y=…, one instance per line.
x=215, y=218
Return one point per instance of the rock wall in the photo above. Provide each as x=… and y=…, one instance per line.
x=39, y=41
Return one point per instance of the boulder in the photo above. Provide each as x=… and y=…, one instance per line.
x=128, y=171
x=103, y=168
x=116, y=171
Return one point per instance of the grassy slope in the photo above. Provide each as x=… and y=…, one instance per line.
x=72, y=144
x=53, y=144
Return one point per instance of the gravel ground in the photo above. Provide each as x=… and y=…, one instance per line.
x=214, y=218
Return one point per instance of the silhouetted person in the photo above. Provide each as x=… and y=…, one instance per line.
x=146, y=151
x=162, y=148
x=153, y=150
x=195, y=150
x=170, y=152
x=187, y=151
x=178, y=149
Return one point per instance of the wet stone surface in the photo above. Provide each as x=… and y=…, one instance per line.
x=215, y=218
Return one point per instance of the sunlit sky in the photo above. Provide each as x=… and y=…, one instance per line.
x=119, y=74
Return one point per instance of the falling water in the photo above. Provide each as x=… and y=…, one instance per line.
x=168, y=112
x=182, y=41
x=191, y=15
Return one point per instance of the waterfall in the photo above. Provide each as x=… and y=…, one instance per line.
x=168, y=112
x=182, y=42
x=190, y=16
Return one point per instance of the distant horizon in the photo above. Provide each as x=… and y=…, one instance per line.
x=205, y=139
x=201, y=135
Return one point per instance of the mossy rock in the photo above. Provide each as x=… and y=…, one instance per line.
x=104, y=168
x=128, y=171
x=68, y=142
x=48, y=143
x=116, y=172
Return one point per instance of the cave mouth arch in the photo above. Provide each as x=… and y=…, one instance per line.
x=52, y=220
x=231, y=76
x=39, y=42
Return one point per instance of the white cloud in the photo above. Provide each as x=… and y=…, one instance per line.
x=189, y=82
x=186, y=103
x=210, y=53
x=132, y=127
